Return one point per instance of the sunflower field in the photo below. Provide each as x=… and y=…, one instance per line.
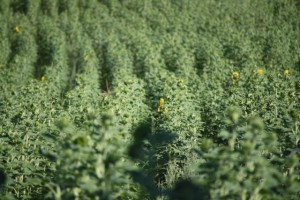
x=149, y=99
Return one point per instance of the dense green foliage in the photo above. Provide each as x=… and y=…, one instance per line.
x=149, y=99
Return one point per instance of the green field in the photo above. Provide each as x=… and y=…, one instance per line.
x=150, y=99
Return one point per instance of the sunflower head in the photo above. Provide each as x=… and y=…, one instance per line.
x=161, y=101
x=235, y=76
x=17, y=29
x=259, y=71
x=160, y=104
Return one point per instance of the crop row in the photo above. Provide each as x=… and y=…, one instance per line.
x=146, y=99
